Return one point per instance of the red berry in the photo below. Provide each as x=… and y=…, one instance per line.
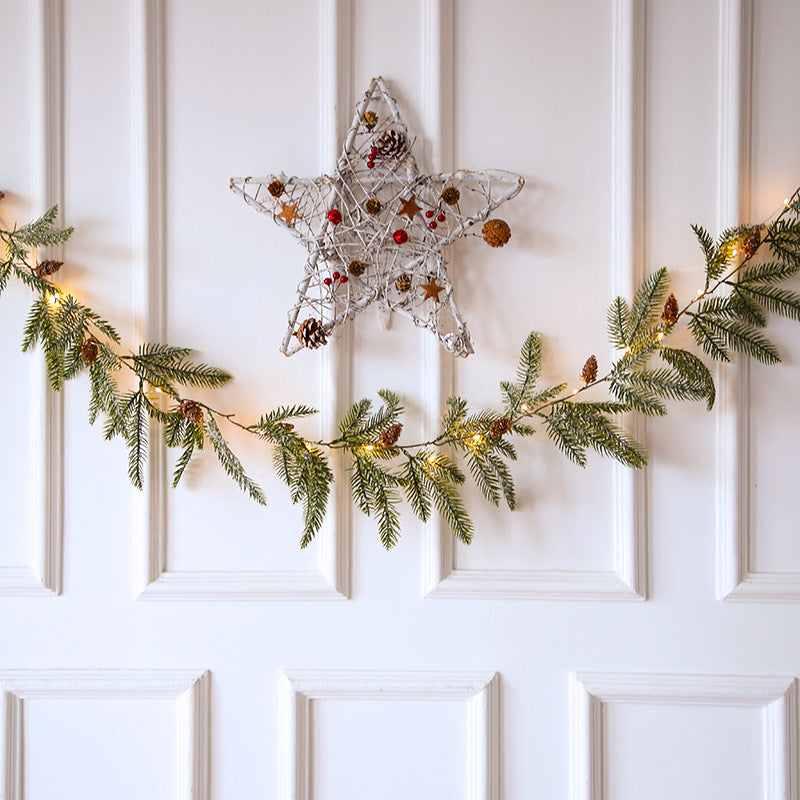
x=335, y=216
x=401, y=237
x=370, y=164
x=429, y=214
x=432, y=226
x=343, y=279
x=327, y=281
x=440, y=217
x=336, y=276
x=373, y=149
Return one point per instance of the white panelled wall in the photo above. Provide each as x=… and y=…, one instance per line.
x=585, y=646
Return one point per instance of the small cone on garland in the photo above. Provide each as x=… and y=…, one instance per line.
x=90, y=350
x=670, y=312
x=751, y=242
x=500, y=426
x=403, y=283
x=496, y=232
x=191, y=411
x=276, y=188
x=2, y=195
x=373, y=206
x=45, y=268
x=589, y=371
x=311, y=333
x=390, y=436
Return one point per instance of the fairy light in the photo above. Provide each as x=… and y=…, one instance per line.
x=431, y=458
x=735, y=251
x=54, y=299
x=369, y=448
x=786, y=202
x=660, y=336
x=158, y=390
x=574, y=391
x=701, y=292
x=524, y=408
x=628, y=349
x=476, y=437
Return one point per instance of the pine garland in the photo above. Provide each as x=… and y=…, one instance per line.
x=744, y=268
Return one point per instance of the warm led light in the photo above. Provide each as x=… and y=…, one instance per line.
x=369, y=448
x=574, y=391
x=701, y=292
x=786, y=201
x=735, y=252
x=660, y=335
x=628, y=349
x=431, y=458
x=158, y=390
x=476, y=437
x=524, y=408
x=53, y=299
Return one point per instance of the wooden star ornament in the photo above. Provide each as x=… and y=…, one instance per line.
x=377, y=228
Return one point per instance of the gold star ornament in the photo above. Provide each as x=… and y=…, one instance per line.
x=432, y=290
x=289, y=213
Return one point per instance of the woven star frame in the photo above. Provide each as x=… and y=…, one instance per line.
x=377, y=228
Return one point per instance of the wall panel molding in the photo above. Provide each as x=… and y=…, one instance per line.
x=190, y=690
x=628, y=579
x=154, y=580
x=590, y=691
x=736, y=579
x=480, y=690
x=43, y=573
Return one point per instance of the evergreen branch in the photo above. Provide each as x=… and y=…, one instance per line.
x=647, y=301
x=230, y=463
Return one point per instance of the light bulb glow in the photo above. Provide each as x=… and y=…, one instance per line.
x=524, y=408
x=574, y=391
x=431, y=458
x=786, y=201
x=660, y=335
x=476, y=437
x=369, y=448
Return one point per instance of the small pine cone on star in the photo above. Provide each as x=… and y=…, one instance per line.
x=752, y=241
x=90, y=350
x=391, y=143
x=390, y=436
x=311, y=334
x=589, y=371
x=496, y=232
x=191, y=411
x=670, y=312
x=500, y=427
x=49, y=267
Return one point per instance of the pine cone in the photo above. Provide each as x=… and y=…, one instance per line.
x=390, y=436
x=751, y=242
x=276, y=188
x=589, y=371
x=356, y=268
x=403, y=283
x=500, y=426
x=2, y=195
x=496, y=232
x=373, y=206
x=451, y=195
x=90, y=350
x=191, y=411
x=391, y=143
x=369, y=119
x=670, y=312
x=45, y=268
x=311, y=334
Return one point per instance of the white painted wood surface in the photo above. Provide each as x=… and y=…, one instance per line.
x=583, y=646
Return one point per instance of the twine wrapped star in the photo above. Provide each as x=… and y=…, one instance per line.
x=376, y=229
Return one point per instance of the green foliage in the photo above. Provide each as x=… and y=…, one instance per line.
x=426, y=474
x=42, y=231
x=230, y=463
x=574, y=427
x=165, y=367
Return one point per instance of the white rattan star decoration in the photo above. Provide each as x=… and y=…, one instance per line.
x=376, y=229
